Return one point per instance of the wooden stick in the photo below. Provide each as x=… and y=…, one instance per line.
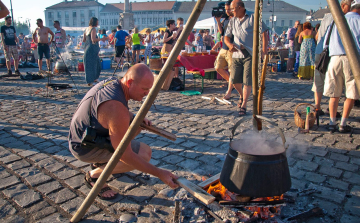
x=196, y=191
x=158, y=131
x=262, y=89
x=130, y=133
x=221, y=101
x=211, y=180
x=255, y=61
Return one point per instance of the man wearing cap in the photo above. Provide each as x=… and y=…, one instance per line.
x=9, y=40
x=339, y=71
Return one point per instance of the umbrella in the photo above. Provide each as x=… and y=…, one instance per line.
x=161, y=29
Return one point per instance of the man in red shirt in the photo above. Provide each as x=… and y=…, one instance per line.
x=111, y=37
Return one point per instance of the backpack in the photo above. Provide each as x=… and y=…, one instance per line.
x=176, y=85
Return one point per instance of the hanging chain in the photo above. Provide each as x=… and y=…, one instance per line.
x=260, y=40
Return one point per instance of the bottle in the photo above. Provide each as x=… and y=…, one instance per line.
x=307, y=119
x=279, y=66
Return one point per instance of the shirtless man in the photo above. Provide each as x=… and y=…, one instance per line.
x=105, y=109
x=42, y=40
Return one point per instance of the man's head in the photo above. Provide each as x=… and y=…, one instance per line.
x=345, y=5
x=158, y=30
x=355, y=6
x=207, y=31
x=139, y=79
x=8, y=20
x=180, y=21
x=162, y=32
x=238, y=8
x=113, y=31
x=118, y=27
x=297, y=22
x=56, y=24
x=39, y=23
x=227, y=9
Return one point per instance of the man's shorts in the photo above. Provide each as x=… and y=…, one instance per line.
x=291, y=52
x=223, y=60
x=119, y=50
x=11, y=50
x=241, y=70
x=337, y=75
x=43, y=48
x=136, y=47
x=319, y=78
x=99, y=155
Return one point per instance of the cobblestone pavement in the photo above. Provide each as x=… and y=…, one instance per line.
x=42, y=182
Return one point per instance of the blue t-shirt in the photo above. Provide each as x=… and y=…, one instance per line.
x=120, y=37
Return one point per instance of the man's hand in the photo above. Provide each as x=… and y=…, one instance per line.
x=168, y=178
x=232, y=48
x=147, y=121
x=217, y=19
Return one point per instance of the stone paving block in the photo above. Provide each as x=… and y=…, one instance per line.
x=355, y=191
x=314, y=177
x=65, y=155
x=59, y=140
x=329, y=207
x=52, y=149
x=4, y=152
x=352, y=178
x=54, y=166
x=173, y=159
x=302, y=156
x=208, y=159
x=190, y=154
x=122, y=182
x=13, y=218
x=27, y=198
x=346, y=166
x=7, y=140
x=19, y=132
x=37, y=157
x=158, y=154
x=4, y=173
x=45, y=162
x=328, y=194
x=355, y=161
x=125, y=205
x=15, y=190
x=305, y=165
x=202, y=148
x=18, y=165
x=298, y=184
x=140, y=194
x=27, y=171
x=154, y=162
x=37, y=179
x=99, y=218
x=299, y=174
x=189, y=164
x=79, y=164
x=346, y=218
x=10, y=158
x=62, y=196
x=6, y=209
x=339, y=157
x=49, y=187
x=44, y=145
x=352, y=206
x=8, y=181
x=339, y=184
x=355, y=153
x=317, y=151
x=66, y=173
x=28, y=152
x=32, y=139
x=73, y=205
x=40, y=210
x=75, y=182
x=54, y=218
x=330, y=171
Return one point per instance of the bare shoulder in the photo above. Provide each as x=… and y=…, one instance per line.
x=112, y=111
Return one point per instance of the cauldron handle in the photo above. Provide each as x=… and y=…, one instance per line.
x=265, y=119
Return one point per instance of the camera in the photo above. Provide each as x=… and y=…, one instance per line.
x=219, y=11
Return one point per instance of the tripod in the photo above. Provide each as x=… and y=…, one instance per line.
x=118, y=63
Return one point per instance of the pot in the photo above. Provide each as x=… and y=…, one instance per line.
x=256, y=175
x=60, y=65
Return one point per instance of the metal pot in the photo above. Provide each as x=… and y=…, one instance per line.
x=60, y=65
x=256, y=175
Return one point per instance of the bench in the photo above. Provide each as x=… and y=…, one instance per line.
x=209, y=74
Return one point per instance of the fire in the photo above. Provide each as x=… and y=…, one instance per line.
x=219, y=189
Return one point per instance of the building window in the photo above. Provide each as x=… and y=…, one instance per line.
x=143, y=20
x=282, y=22
x=91, y=13
x=82, y=13
x=290, y=23
x=50, y=22
x=161, y=12
x=138, y=20
x=67, y=23
x=74, y=14
x=59, y=15
x=82, y=22
x=267, y=22
x=50, y=15
x=74, y=23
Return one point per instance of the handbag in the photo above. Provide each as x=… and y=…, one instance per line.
x=324, y=59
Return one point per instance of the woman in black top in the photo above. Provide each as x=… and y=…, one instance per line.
x=297, y=47
x=169, y=37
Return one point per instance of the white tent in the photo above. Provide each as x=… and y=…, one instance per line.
x=206, y=24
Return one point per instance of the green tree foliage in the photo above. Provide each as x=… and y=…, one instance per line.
x=19, y=27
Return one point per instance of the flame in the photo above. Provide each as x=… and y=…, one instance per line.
x=221, y=190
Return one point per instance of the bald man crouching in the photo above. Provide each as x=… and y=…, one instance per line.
x=104, y=112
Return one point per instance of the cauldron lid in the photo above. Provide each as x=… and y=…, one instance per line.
x=253, y=146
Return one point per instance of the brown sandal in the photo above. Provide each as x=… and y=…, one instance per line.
x=93, y=166
x=240, y=102
x=89, y=180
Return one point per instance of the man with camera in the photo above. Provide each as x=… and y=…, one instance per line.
x=101, y=121
x=241, y=28
x=224, y=57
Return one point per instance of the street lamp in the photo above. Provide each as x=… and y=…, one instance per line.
x=272, y=16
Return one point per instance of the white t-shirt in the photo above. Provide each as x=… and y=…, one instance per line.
x=147, y=39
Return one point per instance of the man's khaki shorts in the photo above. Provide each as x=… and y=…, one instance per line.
x=223, y=60
x=241, y=72
x=337, y=75
x=319, y=78
x=99, y=155
x=11, y=50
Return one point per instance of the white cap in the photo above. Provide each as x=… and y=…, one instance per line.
x=355, y=2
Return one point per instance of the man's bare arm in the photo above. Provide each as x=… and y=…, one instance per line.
x=52, y=35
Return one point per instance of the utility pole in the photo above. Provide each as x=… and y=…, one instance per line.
x=12, y=16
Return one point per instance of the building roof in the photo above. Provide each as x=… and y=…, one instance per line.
x=75, y=4
x=143, y=6
x=111, y=8
x=279, y=6
x=319, y=14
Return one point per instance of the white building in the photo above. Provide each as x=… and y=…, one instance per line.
x=154, y=14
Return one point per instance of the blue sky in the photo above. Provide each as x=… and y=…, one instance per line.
x=33, y=9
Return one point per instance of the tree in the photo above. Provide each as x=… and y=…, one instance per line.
x=19, y=27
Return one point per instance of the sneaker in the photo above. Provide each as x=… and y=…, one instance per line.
x=9, y=72
x=332, y=128
x=344, y=129
x=17, y=72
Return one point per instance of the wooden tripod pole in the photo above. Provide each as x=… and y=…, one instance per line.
x=130, y=133
x=255, y=62
x=262, y=88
